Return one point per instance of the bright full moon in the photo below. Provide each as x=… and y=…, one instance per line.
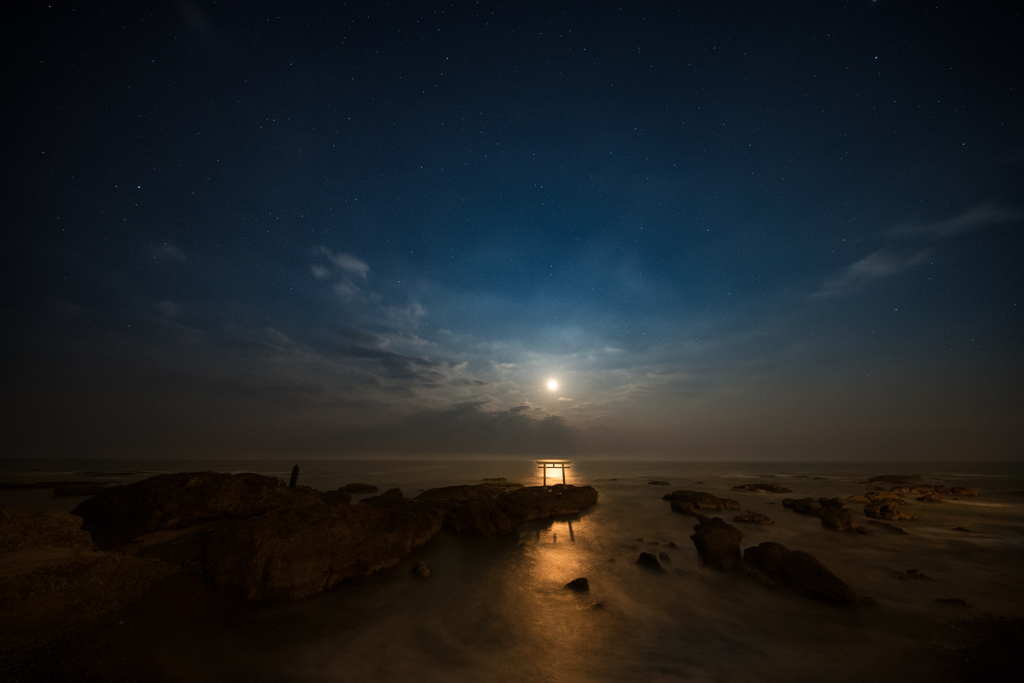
x=552, y=384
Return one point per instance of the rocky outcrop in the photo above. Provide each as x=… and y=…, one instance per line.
x=717, y=543
x=749, y=517
x=922, y=489
x=55, y=578
x=359, y=488
x=930, y=497
x=893, y=510
x=963, y=491
x=762, y=488
x=701, y=500
x=299, y=551
x=800, y=571
x=177, y=501
x=495, y=509
x=805, y=506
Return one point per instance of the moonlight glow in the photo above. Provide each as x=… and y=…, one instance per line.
x=552, y=384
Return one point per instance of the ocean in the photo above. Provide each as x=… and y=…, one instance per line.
x=495, y=609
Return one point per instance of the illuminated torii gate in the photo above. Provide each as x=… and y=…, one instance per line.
x=546, y=465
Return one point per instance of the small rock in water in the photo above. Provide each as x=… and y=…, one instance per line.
x=579, y=585
x=963, y=491
x=888, y=527
x=952, y=601
x=960, y=528
x=659, y=483
x=597, y=605
x=649, y=561
x=915, y=574
x=664, y=556
x=930, y=497
x=670, y=544
x=753, y=518
x=423, y=571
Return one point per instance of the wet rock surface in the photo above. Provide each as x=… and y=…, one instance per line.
x=800, y=571
x=762, y=488
x=177, y=501
x=717, y=543
x=750, y=517
x=832, y=511
x=893, y=510
x=701, y=500
x=649, y=561
x=579, y=585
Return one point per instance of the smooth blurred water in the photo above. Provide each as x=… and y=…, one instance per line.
x=495, y=609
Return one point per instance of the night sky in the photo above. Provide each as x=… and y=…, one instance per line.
x=728, y=230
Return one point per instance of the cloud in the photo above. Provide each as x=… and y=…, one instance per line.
x=982, y=216
x=319, y=272
x=169, y=252
x=875, y=266
x=167, y=309
x=344, y=262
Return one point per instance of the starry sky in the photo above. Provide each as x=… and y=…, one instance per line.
x=728, y=230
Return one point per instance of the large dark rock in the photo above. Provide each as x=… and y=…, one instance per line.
x=800, y=571
x=177, y=501
x=299, y=551
x=761, y=488
x=835, y=515
x=702, y=500
x=649, y=561
x=494, y=509
x=718, y=543
x=805, y=506
x=888, y=509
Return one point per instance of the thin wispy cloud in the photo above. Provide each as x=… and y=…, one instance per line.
x=876, y=266
x=169, y=252
x=345, y=262
x=983, y=216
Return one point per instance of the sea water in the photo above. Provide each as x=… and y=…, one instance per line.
x=496, y=609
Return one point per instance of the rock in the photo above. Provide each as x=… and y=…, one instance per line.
x=963, y=491
x=915, y=489
x=494, y=479
x=579, y=585
x=800, y=571
x=597, y=605
x=649, y=561
x=702, y=500
x=930, y=497
x=914, y=574
x=421, y=570
x=881, y=509
x=176, y=501
x=496, y=509
x=338, y=497
x=835, y=515
x=682, y=507
x=55, y=578
x=659, y=483
x=663, y=556
x=806, y=575
x=762, y=488
x=805, y=506
x=884, y=496
x=856, y=499
x=960, y=528
x=718, y=543
x=83, y=488
x=952, y=601
x=671, y=544
x=749, y=517
x=294, y=552
x=359, y=488
x=765, y=557
x=888, y=527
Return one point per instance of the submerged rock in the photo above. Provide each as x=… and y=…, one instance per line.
x=887, y=527
x=964, y=491
x=649, y=561
x=701, y=500
x=579, y=585
x=421, y=570
x=762, y=488
x=749, y=517
x=717, y=543
x=882, y=509
x=914, y=574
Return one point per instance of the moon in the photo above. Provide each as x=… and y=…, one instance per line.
x=552, y=384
